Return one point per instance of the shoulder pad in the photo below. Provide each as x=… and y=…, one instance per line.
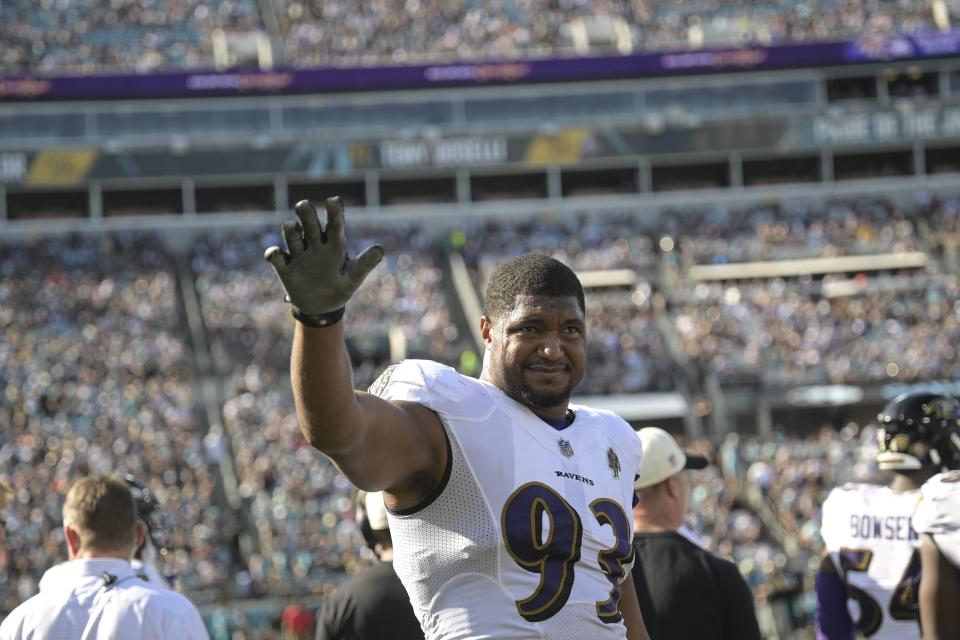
x=948, y=477
x=939, y=509
x=437, y=387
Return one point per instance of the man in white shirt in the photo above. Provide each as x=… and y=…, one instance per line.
x=96, y=594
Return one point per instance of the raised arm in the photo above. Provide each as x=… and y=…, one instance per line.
x=377, y=444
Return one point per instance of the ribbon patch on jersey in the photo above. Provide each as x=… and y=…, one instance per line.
x=613, y=461
x=565, y=448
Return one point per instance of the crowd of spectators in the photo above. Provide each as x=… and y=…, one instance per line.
x=84, y=36
x=95, y=36
x=96, y=377
x=299, y=504
x=778, y=334
x=97, y=374
x=249, y=323
x=797, y=229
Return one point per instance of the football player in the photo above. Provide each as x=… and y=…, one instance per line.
x=937, y=520
x=869, y=579
x=153, y=548
x=508, y=506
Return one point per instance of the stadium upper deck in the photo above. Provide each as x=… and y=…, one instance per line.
x=90, y=36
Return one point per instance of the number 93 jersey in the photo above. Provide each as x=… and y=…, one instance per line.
x=939, y=513
x=529, y=535
x=866, y=528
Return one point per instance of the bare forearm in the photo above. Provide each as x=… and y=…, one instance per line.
x=630, y=609
x=322, y=379
x=939, y=593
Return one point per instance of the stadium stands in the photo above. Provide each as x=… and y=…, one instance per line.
x=97, y=378
x=100, y=372
x=85, y=37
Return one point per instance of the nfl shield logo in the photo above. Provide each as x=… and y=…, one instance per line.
x=565, y=448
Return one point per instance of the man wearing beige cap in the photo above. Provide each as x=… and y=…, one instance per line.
x=684, y=590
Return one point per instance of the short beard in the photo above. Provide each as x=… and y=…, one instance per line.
x=523, y=394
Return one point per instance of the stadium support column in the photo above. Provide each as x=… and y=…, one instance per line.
x=371, y=184
x=3, y=203
x=95, y=201
x=645, y=175
x=919, y=159
x=463, y=186
x=281, y=199
x=554, y=183
x=736, y=170
x=943, y=83
x=189, y=197
x=764, y=418
x=826, y=165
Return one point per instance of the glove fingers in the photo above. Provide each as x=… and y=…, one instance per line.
x=358, y=269
x=334, y=208
x=293, y=238
x=309, y=223
x=275, y=256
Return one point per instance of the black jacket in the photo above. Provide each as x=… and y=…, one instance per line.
x=687, y=593
x=373, y=605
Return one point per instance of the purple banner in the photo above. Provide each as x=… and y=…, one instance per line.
x=871, y=48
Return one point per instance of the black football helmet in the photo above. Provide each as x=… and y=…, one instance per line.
x=148, y=510
x=919, y=430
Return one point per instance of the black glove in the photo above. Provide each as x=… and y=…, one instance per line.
x=317, y=274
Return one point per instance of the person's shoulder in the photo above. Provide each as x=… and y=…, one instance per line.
x=850, y=492
x=155, y=596
x=939, y=507
x=436, y=386
x=11, y=627
x=942, y=486
x=605, y=419
x=724, y=566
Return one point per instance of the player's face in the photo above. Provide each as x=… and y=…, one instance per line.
x=538, y=352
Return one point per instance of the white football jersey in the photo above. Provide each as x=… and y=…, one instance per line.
x=530, y=533
x=939, y=513
x=866, y=529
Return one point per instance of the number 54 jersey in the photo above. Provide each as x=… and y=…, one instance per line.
x=529, y=534
x=866, y=528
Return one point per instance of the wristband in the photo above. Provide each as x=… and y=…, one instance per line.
x=319, y=320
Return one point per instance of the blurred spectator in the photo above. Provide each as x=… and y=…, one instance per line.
x=96, y=377
x=85, y=36
x=96, y=594
x=672, y=573
x=91, y=36
x=296, y=622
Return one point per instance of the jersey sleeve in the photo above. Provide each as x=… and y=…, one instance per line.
x=939, y=508
x=832, y=518
x=437, y=387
